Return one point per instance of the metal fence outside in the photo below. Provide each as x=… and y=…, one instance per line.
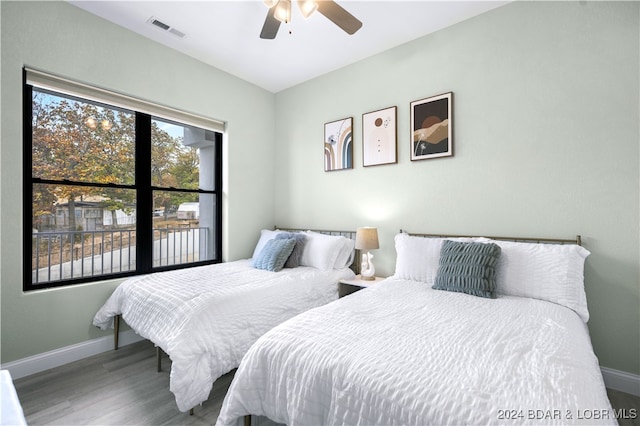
x=61, y=255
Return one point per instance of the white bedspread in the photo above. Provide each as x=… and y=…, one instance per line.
x=206, y=318
x=401, y=353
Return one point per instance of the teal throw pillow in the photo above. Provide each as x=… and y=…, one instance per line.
x=468, y=268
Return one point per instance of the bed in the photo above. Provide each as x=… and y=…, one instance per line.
x=205, y=318
x=402, y=352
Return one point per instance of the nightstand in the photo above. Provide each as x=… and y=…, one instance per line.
x=346, y=287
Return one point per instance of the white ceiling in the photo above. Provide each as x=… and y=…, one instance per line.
x=226, y=34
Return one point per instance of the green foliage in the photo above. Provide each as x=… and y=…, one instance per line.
x=85, y=142
x=173, y=165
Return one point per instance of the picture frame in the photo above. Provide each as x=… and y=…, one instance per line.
x=380, y=137
x=338, y=145
x=432, y=127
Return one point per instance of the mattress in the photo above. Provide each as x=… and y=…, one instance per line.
x=401, y=353
x=206, y=318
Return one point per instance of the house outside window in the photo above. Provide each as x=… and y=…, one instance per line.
x=105, y=186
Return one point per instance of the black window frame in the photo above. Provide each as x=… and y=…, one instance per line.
x=144, y=198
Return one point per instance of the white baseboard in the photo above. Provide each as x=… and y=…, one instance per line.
x=44, y=361
x=621, y=381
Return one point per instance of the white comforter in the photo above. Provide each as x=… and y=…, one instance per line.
x=206, y=318
x=401, y=353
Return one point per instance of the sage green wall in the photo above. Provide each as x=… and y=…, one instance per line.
x=65, y=40
x=546, y=116
x=546, y=144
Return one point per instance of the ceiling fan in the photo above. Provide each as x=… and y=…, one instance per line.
x=280, y=11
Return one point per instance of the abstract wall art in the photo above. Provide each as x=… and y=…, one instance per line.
x=379, y=137
x=338, y=145
x=432, y=127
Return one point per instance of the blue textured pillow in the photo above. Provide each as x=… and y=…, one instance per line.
x=294, y=260
x=468, y=268
x=274, y=254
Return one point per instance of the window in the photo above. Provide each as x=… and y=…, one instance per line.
x=113, y=191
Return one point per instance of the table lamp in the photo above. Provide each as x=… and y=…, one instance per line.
x=367, y=239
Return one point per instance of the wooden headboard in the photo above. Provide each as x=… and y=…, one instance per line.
x=355, y=266
x=577, y=240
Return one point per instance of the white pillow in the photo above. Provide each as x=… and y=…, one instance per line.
x=320, y=250
x=550, y=272
x=265, y=235
x=418, y=258
x=346, y=254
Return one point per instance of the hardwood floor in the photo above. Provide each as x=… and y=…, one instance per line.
x=114, y=388
x=629, y=406
x=123, y=388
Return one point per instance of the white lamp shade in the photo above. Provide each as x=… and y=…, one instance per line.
x=367, y=238
x=307, y=7
x=283, y=11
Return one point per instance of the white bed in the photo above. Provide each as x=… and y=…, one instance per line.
x=205, y=318
x=401, y=352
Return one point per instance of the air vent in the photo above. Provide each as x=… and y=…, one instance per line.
x=160, y=24
x=176, y=32
x=165, y=27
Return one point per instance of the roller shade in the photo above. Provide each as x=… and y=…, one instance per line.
x=56, y=83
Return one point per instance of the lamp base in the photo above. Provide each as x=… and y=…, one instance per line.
x=367, y=270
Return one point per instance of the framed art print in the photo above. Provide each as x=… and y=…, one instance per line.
x=432, y=127
x=379, y=137
x=338, y=145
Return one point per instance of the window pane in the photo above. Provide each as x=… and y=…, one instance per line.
x=183, y=227
x=81, y=231
x=81, y=141
x=182, y=156
x=86, y=197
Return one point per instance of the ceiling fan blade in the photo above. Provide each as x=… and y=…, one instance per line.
x=271, y=26
x=339, y=16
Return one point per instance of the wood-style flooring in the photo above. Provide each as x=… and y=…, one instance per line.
x=113, y=388
x=123, y=388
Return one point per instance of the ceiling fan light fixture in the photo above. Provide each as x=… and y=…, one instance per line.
x=307, y=7
x=283, y=11
x=270, y=3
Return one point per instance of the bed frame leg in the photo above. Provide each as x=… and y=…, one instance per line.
x=191, y=412
x=159, y=359
x=116, y=331
x=247, y=420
